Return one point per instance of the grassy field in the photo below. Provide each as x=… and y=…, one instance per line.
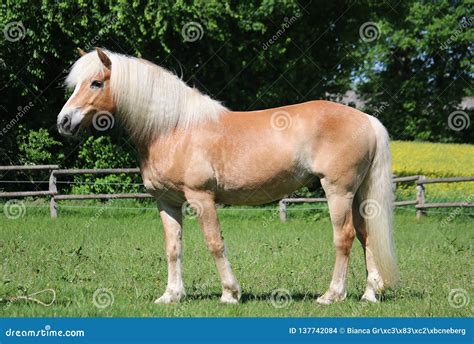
x=122, y=251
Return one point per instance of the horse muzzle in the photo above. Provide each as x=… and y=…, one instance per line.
x=69, y=121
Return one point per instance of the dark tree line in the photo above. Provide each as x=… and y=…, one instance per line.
x=409, y=61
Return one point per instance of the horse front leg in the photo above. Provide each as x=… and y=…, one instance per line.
x=205, y=209
x=172, y=225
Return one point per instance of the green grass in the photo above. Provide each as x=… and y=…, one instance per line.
x=123, y=251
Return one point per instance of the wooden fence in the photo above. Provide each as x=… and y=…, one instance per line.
x=55, y=173
x=56, y=196
x=27, y=168
x=419, y=202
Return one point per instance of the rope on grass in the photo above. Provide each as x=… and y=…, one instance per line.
x=31, y=297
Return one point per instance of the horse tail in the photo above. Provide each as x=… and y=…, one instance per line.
x=376, y=207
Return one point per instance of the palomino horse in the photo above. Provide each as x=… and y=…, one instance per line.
x=196, y=152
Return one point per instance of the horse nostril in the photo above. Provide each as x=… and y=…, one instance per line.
x=65, y=122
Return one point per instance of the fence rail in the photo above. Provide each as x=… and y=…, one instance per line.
x=72, y=171
x=419, y=202
x=52, y=192
x=28, y=167
x=53, y=207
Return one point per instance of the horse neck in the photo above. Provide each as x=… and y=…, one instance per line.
x=161, y=148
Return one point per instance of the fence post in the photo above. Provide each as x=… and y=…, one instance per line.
x=282, y=210
x=53, y=189
x=420, y=196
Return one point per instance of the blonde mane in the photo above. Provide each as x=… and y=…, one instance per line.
x=150, y=99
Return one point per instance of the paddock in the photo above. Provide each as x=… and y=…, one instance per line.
x=108, y=260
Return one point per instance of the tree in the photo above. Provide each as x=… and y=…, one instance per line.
x=419, y=70
x=248, y=54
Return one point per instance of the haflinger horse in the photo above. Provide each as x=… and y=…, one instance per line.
x=195, y=152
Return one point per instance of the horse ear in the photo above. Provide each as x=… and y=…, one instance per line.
x=104, y=58
x=81, y=52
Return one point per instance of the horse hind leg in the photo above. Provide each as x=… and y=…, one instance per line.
x=374, y=280
x=340, y=207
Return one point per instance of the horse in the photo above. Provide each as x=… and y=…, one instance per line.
x=195, y=153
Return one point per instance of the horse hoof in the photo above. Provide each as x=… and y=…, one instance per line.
x=228, y=299
x=330, y=297
x=369, y=297
x=323, y=301
x=168, y=298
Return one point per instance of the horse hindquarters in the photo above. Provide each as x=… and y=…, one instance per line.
x=358, y=189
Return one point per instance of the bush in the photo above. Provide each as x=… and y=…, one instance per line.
x=249, y=54
x=37, y=147
x=100, y=152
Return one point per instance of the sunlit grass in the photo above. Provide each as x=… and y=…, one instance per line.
x=123, y=252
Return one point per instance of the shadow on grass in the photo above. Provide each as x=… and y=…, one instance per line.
x=253, y=297
x=250, y=297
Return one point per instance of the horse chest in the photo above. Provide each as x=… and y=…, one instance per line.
x=159, y=184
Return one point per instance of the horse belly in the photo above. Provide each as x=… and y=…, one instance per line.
x=257, y=192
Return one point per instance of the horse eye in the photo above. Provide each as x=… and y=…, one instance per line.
x=97, y=84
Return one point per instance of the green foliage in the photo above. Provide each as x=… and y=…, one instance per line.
x=417, y=70
x=100, y=152
x=37, y=147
